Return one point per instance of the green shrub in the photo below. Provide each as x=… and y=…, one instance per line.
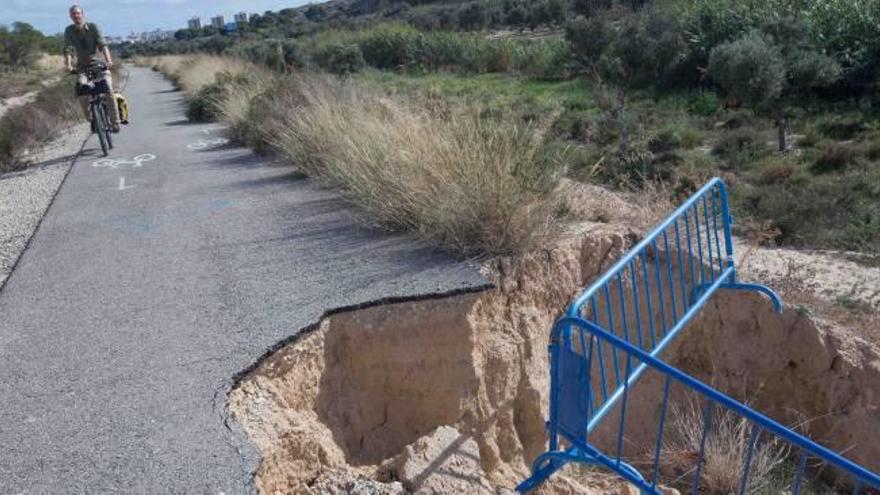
x=824, y=212
x=834, y=157
x=339, y=58
x=842, y=127
x=741, y=143
x=783, y=172
x=392, y=46
x=871, y=149
x=203, y=106
x=673, y=137
x=704, y=103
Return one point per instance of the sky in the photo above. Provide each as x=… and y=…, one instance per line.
x=121, y=17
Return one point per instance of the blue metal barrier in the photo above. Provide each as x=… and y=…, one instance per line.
x=615, y=331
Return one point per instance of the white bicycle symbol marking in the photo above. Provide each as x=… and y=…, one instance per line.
x=207, y=143
x=135, y=162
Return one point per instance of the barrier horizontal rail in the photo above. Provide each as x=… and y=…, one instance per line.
x=564, y=425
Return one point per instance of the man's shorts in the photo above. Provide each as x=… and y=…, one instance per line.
x=100, y=87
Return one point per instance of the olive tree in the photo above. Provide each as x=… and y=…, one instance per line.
x=637, y=50
x=766, y=67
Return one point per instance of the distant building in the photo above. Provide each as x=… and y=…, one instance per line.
x=231, y=27
x=218, y=22
x=241, y=18
x=195, y=23
x=156, y=35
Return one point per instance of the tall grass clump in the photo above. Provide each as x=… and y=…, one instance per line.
x=23, y=128
x=191, y=73
x=725, y=450
x=234, y=105
x=472, y=186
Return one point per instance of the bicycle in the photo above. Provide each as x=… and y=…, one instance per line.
x=92, y=82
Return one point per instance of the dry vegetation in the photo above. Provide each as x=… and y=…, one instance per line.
x=472, y=185
x=726, y=446
x=191, y=73
x=469, y=184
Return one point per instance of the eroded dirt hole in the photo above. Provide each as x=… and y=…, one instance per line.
x=448, y=395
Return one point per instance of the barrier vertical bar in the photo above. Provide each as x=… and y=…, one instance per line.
x=637, y=307
x=728, y=236
x=709, y=241
x=699, y=234
x=707, y=424
x=623, y=311
x=611, y=329
x=623, y=411
x=599, y=352
x=756, y=430
x=648, y=294
x=715, y=214
x=660, y=290
x=671, y=279
x=687, y=229
x=684, y=297
x=659, y=445
x=802, y=465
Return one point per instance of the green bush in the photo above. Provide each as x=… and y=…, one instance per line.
x=782, y=172
x=823, y=213
x=741, y=145
x=704, y=103
x=392, y=46
x=842, y=128
x=834, y=157
x=750, y=69
x=202, y=107
x=339, y=58
x=673, y=137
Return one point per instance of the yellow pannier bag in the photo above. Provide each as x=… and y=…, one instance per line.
x=122, y=103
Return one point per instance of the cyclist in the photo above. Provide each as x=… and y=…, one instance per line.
x=84, y=40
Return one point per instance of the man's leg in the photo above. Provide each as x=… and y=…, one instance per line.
x=114, y=107
x=84, y=103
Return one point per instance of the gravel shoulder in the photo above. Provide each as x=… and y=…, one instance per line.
x=26, y=195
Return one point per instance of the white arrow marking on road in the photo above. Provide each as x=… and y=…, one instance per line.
x=122, y=186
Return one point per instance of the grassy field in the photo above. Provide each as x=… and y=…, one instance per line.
x=822, y=193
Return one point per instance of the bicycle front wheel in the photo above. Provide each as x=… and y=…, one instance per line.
x=99, y=122
x=108, y=125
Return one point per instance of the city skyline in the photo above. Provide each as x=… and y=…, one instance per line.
x=121, y=18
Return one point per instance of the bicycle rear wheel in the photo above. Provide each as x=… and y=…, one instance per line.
x=100, y=124
x=107, y=123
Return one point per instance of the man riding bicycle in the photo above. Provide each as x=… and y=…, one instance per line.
x=84, y=40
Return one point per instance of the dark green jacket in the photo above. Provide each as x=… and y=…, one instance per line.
x=83, y=43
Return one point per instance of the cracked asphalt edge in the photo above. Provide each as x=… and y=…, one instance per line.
x=251, y=457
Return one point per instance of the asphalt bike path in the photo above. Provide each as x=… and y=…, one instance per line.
x=156, y=276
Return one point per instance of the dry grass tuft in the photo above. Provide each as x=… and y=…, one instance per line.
x=193, y=72
x=471, y=185
x=50, y=63
x=725, y=451
x=238, y=99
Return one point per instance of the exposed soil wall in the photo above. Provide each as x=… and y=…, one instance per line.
x=365, y=386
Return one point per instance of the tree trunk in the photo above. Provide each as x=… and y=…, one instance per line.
x=782, y=127
x=624, y=129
